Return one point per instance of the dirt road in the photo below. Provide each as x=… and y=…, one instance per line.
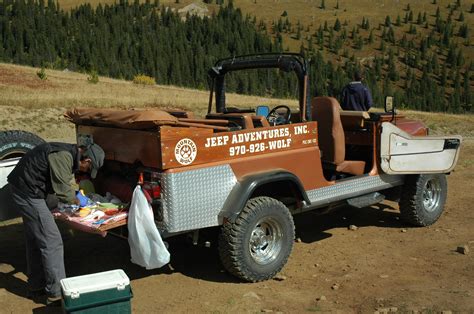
x=383, y=265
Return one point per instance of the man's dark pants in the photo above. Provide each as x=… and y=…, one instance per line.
x=44, y=245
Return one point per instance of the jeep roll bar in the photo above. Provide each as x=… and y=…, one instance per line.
x=284, y=61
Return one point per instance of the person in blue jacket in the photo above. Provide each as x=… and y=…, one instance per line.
x=356, y=96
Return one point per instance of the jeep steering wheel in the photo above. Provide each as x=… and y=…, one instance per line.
x=277, y=117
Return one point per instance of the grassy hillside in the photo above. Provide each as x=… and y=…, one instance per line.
x=310, y=14
x=31, y=104
x=420, y=51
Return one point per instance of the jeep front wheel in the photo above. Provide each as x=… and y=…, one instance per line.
x=257, y=245
x=423, y=198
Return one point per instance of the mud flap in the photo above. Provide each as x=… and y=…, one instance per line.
x=402, y=153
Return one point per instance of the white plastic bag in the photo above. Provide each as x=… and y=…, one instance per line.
x=146, y=246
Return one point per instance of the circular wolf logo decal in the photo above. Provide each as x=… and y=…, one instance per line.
x=185, y=151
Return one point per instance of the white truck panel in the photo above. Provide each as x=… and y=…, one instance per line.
x=402, y=153
x=7, y=208
x=6, y=166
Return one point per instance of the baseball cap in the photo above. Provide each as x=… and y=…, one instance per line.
x=96, y=155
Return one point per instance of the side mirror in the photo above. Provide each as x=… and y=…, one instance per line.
x=263, y=111
x=389, y=104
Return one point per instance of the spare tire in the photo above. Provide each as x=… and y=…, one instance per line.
x=17, y=143
x=13, y=144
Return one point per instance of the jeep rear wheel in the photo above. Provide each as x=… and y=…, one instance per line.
x=17, y=143
x=423, y=198
x=257, y=245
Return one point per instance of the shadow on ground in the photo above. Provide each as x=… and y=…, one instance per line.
x=311, y=226
x=87, y=253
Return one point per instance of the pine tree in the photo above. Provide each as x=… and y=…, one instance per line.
x=371, y=37
x=446, y=37
x=337, y=25
x=392, y=70
x=359, y=43
x=435, y=63
x=460, y=58
x=463, y=31
x=382, y=46
x=467, y=95
x=391, y=35
x=399, y=21
x=388, y=22
x=403, y=41
x=323, y=5
x=456, y=96
x=451, y=57
x=461, y=17
x=443, y=79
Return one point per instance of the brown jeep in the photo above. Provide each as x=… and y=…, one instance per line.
x=249, y=171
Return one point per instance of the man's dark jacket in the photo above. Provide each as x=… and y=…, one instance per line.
x=356, y=96
x=32, y=174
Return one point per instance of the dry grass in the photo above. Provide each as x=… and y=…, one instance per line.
x=31, y=104
x=440, y=124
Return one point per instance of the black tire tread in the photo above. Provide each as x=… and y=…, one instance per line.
x=12, y=136
x=230, y=238
x=408, y=204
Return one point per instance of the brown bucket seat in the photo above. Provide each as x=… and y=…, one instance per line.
x=325, y=110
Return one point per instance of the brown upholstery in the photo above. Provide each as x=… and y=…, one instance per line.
x=325, y=110
x=260, y=120
x=355, y=167
x=354, y=120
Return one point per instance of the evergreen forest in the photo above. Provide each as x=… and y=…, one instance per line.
x=126, y=39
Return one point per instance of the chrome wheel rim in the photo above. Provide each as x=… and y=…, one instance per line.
x=265, y=241
x=431, y=194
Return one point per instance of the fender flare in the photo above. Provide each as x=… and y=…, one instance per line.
x=244, y=188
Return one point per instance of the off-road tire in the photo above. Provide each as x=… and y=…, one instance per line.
x=423, y=198
x=17, y=143
x=257, y=245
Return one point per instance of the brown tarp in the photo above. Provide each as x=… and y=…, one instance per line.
x=128, y=119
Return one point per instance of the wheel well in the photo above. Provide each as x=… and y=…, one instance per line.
x=286, y=192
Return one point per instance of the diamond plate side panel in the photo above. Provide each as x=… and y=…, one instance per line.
x=353, y=187
x=193, y=199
